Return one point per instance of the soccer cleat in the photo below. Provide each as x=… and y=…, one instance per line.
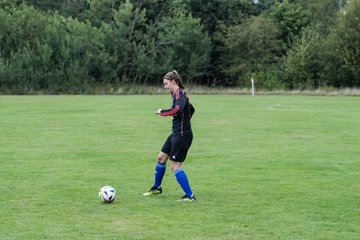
x=153, y=191
x=186, y=198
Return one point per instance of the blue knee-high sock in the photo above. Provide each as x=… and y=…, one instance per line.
x=183, y=181
x=159, y=174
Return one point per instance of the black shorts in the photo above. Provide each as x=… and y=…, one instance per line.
x=177, y=147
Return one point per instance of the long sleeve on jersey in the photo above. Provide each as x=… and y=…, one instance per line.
x=182, y=111
x=178, y=105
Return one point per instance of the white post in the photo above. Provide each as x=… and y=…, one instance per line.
x=252, y=87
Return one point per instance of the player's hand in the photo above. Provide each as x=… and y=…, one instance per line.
x=158, y=111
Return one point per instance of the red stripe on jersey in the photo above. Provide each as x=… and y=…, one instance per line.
x=172, y=112
x=177, y=94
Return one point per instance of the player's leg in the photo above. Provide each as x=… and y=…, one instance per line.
x=182, y=179
x=178, y=154
x=160, y=168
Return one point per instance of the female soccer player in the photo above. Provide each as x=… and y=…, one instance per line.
x=178, y=143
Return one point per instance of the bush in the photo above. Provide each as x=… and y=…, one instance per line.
x=50, y=52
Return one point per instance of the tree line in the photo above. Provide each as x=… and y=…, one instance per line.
x=71, y=46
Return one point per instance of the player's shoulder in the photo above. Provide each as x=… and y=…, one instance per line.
x=182, y=92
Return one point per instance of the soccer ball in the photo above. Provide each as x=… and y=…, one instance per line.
x=107, y=194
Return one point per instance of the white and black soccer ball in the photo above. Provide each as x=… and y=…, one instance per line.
x=107, y=194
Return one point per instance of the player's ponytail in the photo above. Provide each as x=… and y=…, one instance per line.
x=174, y=75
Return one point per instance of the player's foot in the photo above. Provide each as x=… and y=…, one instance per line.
x=153, y=191
x=186, y=198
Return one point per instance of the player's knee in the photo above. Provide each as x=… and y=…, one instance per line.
x=175, y=166
x=162, y=158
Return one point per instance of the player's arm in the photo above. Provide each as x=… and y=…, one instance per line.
x=178, y=108
x=168, y=112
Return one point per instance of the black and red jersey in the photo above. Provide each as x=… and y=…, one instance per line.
x=182, y=111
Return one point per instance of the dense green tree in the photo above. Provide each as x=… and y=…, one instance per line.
x=262, y=6
x=126, y=39
x=290, y=18
x=145, y=49
x=99, y=11
x=217, y=15
x=49, y=52
x=303, y=64
x=343, y=48
x=323, y=13
x=68, y=8
x=73, y=45
x=184, y=46
x=9, y=3
x=215, y=12
x=251, y=48
x=327, y=59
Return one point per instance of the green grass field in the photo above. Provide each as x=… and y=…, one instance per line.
x=263, y=167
